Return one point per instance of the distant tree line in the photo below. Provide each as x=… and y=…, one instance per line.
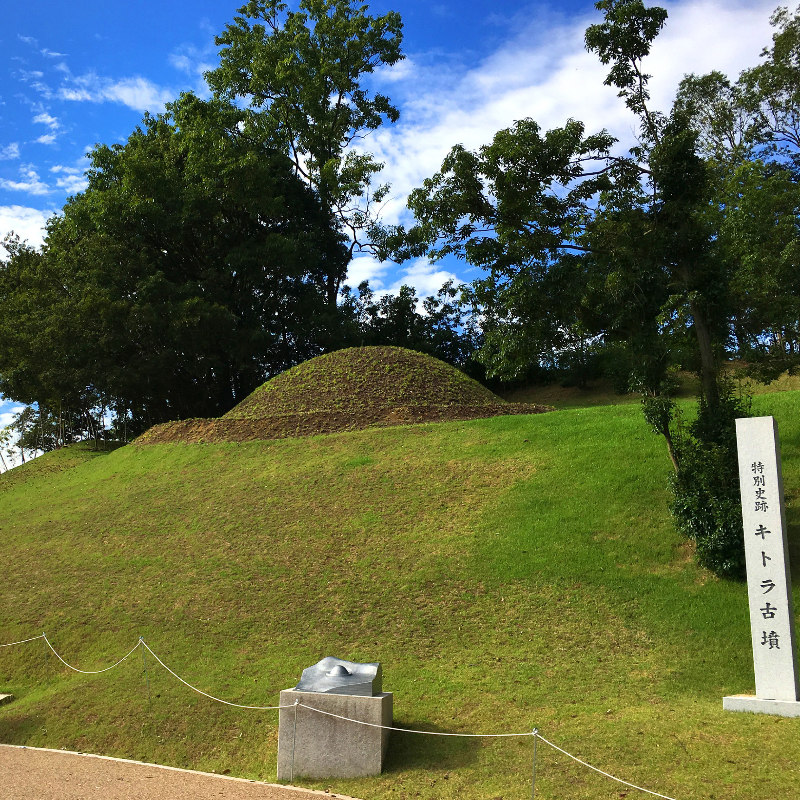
x=209, y=252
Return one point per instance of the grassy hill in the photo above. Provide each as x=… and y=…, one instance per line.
x=360, y=378
x=508, y=572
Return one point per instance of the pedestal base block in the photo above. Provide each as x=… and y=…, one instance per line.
x=753, y=705
x=314, y=745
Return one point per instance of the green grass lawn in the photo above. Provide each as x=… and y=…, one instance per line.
x=509, y=573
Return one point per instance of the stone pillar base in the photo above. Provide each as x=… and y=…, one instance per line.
x=753, y=705
x=319, y=746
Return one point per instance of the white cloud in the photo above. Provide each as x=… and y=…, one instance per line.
x=33, y=78
x=52, y=122
x=9, y=152
x=195, y=61
x=366, y=268
x=72, y=183
x=137, y=93
x=426, y=278
x=50, y=54
x=45, y=119
x=30, y=183
x=181, y=62
x=27, y=223
x=44, y=90
x=66, y=170
x=7, y=413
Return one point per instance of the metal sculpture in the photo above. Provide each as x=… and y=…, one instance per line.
x=337, y=676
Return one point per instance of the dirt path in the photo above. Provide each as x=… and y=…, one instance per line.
x=37, y=774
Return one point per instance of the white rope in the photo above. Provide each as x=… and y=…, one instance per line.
x=211, y=697
x=409, y=730
x=89, y=672
x=619, y=780
x=32, y=639
x=535, y=733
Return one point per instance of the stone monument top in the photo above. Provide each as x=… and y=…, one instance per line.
x=337, y=676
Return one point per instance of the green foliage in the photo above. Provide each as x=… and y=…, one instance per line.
x=301, y=75
x=192, y=268
x=515, y=208
x=444, y=328
x=706, y=504
x=672, y=256
x=775, y=86
x=725, y=116
x=760, y=239
x=624, y=39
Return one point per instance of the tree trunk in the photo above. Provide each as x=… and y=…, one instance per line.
x=708, y=366
x=332, y=290
x=671, y=450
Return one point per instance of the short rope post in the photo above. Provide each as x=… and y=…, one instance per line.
x=533, y=779
x=294, y=740
x=46, y=654
x=144, y=661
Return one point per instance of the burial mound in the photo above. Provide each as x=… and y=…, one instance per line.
x=351, y=389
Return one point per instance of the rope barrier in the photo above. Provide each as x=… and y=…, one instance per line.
x=619, y=780
x=32, y=639
x=409, y=730
x=205, y=694
x=88, y=672
x=534, y=733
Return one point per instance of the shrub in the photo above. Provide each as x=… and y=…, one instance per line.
x=706, y=504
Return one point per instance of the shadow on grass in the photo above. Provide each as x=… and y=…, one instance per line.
x=17, y=729
x=418, y=751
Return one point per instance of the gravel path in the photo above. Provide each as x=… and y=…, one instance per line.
x=36, y=774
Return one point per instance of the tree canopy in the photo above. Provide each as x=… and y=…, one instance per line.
x=300, y=74
x=191, y=269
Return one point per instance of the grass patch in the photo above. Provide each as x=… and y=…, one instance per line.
x=508, y=572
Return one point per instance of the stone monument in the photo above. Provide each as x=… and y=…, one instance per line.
x=769, y=585
x=313, y=738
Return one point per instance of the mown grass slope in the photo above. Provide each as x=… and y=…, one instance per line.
x=508, y=572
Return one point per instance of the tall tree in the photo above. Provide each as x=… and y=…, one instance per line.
x=191, y=269
x=516, y=208
x=663, y=251
x=775, y=86
x=301, y=74
x=749, y=132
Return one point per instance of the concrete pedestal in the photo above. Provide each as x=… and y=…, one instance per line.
x=751, y=704
x=318, y=746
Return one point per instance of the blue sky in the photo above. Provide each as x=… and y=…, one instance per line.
x=75, y=74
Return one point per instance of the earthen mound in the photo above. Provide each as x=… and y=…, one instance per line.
x=351, y=389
